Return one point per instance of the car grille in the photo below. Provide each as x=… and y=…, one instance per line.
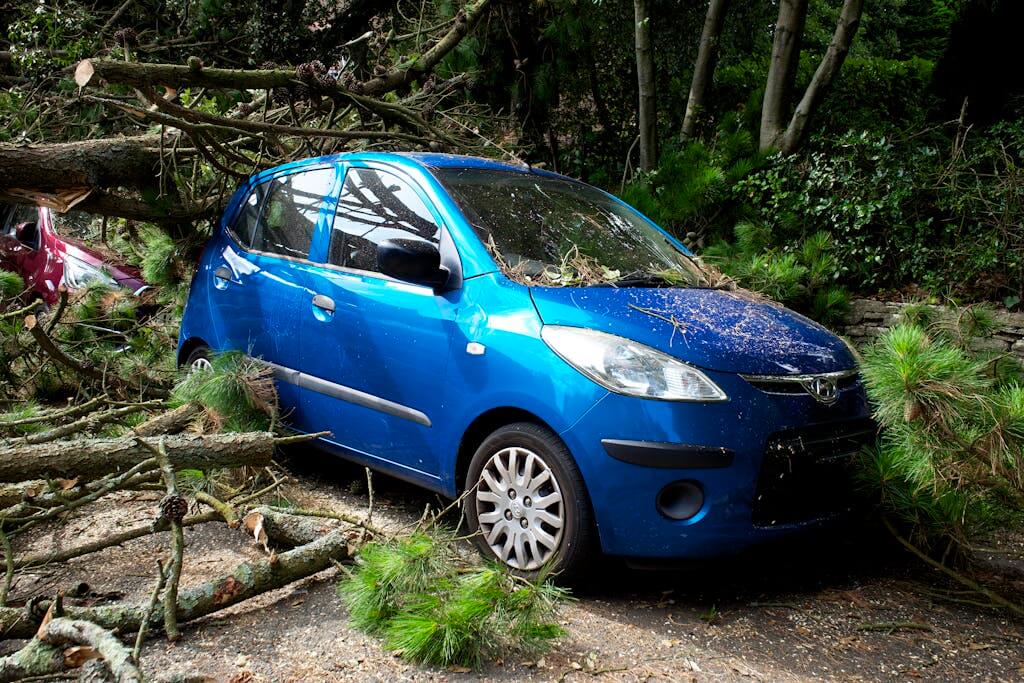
x=805, y=473
x=790, y=384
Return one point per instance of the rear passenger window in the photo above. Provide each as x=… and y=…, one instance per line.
x=285, y=223
x=375, y=206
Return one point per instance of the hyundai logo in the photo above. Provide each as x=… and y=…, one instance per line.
x=823, y=389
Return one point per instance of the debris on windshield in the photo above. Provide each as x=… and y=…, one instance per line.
x=574, y=270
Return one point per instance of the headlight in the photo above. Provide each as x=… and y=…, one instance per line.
x=627, y=367
x=78, y=273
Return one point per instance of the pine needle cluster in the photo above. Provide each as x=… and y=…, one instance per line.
x=951, y=460
x=426, y=603
x=237, y=393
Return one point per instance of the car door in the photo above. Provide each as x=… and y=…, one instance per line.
x=254, y=289
x=376, y=347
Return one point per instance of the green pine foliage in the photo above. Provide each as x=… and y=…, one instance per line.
x=950, y=462
x=799, y=277
x=422, y=599
x=237, y=392
x=11, y=285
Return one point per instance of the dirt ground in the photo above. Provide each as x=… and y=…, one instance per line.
x=844, y=607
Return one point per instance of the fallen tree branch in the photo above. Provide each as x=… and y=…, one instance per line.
x=109, y=486
x=35, y=659
x=65, y=631
x=52, y=415
x=953, y=574
x=169, y=422
x=89, y=422
x=172, y=509
x=246, y=581
x=140, y=637
x=90, y=457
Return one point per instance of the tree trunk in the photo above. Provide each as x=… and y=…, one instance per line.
x=647, y=112
x=90, y=163
x=846, y=28
x=704, y=68
x=90, y=458
x=782, y=72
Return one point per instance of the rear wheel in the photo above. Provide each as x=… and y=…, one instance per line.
x=529, y=506
x=199, y=360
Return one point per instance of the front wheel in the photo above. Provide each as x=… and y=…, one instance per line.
x=529, y=506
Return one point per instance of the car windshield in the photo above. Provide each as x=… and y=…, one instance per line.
x=546, y=230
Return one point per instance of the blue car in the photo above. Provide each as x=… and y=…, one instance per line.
x=505, y=333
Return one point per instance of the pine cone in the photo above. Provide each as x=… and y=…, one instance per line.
x=281, y=95
x=173, y=508
x=305, y=72
x=126, y=37
x=328, y=82
x=318, y=67
x=268, y=66
x=302, y=92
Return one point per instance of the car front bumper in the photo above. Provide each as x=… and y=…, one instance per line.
x=766, y=466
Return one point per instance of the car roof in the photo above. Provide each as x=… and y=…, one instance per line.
x=428, y=160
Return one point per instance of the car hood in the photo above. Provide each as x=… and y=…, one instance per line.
x=727, y=331
x=126, y=275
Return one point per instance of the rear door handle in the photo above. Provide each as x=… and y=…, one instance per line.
x=324, y=303
x=222, y=273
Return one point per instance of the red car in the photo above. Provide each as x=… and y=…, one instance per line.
x=31, y=247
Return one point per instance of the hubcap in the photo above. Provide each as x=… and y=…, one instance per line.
x=201, y=364
x=519, y=508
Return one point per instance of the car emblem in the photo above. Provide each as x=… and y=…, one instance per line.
x=823, y=389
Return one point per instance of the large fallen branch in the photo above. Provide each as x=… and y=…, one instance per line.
x=65, y=631
x=90, y=163
x=246, y=581
x=95, y=457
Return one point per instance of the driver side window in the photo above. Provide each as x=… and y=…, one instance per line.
x=23, y=224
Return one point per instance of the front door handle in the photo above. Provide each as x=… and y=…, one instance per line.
x=222, y=273
x=324, y=303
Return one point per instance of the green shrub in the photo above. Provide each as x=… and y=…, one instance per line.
x=802, y=278
x=428, y=605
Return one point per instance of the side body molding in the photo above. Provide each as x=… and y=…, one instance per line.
x=344, y=393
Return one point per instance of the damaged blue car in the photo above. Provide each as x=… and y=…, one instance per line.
x=528, y=341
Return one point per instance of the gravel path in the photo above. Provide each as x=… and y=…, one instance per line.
x=818, y=610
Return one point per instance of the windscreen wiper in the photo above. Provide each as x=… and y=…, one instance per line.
x=640, y=279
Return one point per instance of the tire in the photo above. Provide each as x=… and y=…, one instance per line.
x=509, y=527
x=195, y=360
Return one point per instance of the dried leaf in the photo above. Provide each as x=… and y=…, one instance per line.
x=66, y=484
x=78, y=655
x=253, y=523
x=83, y=73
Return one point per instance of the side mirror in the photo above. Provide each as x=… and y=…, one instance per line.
x=411, y=260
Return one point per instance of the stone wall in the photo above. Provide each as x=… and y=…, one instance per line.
x=869, y=318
